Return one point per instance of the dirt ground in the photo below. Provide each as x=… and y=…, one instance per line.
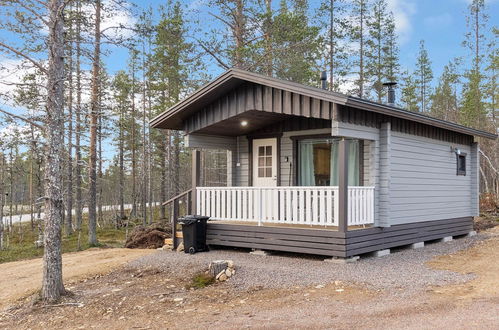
x=148, y=298
x=22, y=278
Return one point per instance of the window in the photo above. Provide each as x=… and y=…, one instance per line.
x=461, y=164
x=265, y=161
x=318, y=162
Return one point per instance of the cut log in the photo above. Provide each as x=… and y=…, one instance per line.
x=217, y=266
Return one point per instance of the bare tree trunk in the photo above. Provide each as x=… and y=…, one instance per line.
x=69, y=192
x=361, y=51
x=144, y=140
x=331, y=46
x=52, y=284
x=134, y=162
x=268, y=38
x=94, y=115
x=121, y=198
x=2, y=194
x=164, y=179
x=149, y=160
x=31, y=170
x=99, y=207
x=78, y=132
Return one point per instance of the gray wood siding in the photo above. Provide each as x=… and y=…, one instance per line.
x=241, y=155
x=424, y=185
x=250, y=96
x=210, y=142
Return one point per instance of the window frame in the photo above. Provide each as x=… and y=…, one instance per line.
x=459, y=171
x=296, y=138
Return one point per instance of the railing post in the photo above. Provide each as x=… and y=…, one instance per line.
x=196, y=171
x=343, y=185
x=174, y=223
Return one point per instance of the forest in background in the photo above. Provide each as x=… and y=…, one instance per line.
x=109, y=154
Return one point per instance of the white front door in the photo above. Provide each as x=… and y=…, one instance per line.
x=265, y=162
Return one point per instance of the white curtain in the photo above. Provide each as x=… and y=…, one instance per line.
x=306, y=175
x=353, y=163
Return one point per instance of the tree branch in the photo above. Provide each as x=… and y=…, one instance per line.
x=23, y=119
x=213, y=55
x=18, y=53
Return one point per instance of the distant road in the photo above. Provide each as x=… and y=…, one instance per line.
x=27, y=217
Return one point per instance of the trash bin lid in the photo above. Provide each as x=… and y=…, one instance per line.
x=196, y=217
x=191, y=219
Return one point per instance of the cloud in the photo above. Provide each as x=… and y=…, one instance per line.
x=438, y=21
x=402, y=12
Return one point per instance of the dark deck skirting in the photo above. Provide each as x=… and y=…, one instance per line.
x=332, y=243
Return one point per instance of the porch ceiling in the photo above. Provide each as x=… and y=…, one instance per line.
x=232, y=126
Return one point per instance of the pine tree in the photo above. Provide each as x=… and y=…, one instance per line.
x=375, y=46
x=424, y=76
x=391, y=50
x=445, y=102
x=94, y=118
x=296, y=44
x=334, y=25
x=122, y=87
x=473, y=110
x=409, y=93
x=358, y=36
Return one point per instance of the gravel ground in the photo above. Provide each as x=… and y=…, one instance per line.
x=402, y=272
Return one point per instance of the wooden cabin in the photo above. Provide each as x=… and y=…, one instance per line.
x=317, y=172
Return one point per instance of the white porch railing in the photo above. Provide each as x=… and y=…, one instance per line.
x=287, y=205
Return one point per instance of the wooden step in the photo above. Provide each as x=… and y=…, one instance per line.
x=179, y=234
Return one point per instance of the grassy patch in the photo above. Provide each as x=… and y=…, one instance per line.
x=21, y=244
x=201, y=280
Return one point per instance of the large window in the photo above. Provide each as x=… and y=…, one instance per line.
x=318, y=162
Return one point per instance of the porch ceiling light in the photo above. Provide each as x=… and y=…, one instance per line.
x=244, y=123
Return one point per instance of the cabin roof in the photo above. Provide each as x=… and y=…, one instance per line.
x=232, y=78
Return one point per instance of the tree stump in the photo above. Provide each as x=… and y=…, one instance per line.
x=217, y=266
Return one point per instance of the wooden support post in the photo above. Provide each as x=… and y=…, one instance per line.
x=196, y=176
x=343, y=149
x=175, y=215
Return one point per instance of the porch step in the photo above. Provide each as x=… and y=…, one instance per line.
x=169, y=241
x=179, y=234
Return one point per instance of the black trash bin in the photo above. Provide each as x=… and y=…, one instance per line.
x=194, y=233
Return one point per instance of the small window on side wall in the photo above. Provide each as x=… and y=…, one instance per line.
x=461, y=164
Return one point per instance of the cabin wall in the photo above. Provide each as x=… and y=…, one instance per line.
x=424, y=182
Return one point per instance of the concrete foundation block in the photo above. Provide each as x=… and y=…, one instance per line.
x=381, y=253
x=417, y=245
x=343, y=260
x=446, y=239
x=260, y=253
x=471, y=234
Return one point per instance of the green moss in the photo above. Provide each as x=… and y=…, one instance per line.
x=201, y=280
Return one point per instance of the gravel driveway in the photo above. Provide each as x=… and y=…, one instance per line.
x=402, y=272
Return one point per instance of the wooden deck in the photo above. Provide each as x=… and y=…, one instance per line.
x=285, y=225
x=327, y=242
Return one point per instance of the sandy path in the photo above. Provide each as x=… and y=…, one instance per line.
x=21, y=278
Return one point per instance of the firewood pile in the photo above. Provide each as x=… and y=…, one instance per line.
x=147, y=237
